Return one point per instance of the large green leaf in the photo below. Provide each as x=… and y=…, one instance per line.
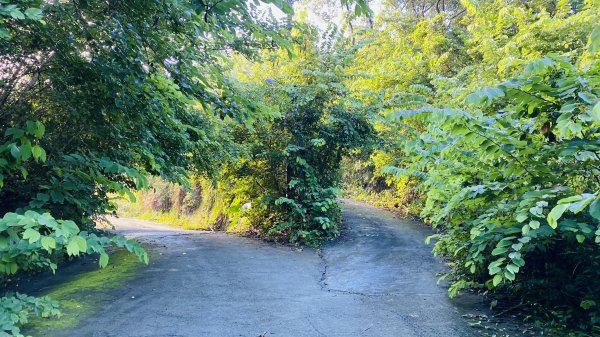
x=48, y=243
x=31, y=234
x=555, y=214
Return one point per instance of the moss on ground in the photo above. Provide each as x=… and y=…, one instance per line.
x=84, y=294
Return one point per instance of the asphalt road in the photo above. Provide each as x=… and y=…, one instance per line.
x=378, y=279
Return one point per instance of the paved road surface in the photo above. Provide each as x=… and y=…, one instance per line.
x=379, y=279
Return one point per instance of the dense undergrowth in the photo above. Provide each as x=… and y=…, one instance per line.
x=491, y=134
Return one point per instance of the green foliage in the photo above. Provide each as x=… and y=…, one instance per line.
x=489, y=112
x=204, y=204
x=21, y=145
x=20, y=11
x=29, y=241
x=512, y=184
x=94, y=96
x=487, y=126
x=123, y=90
x=291, y=168
x=32, y=241
x=16, y=309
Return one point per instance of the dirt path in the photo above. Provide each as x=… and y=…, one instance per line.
x=379, y=280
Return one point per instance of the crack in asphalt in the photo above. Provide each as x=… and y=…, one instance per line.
x=322, y=282
x=376, y=280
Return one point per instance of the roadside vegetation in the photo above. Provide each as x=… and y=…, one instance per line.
x=286, y=178
x=491, y=136
x=94, y=97
x=480, y=117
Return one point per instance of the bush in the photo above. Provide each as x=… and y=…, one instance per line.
x=512, y=188
x=291, y=169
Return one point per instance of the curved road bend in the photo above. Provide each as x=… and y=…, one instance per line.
x=379, y=279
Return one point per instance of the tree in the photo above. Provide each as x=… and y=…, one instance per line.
x=291, y=172
x=94, y=96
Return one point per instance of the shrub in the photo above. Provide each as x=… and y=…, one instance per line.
x=512, y=187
